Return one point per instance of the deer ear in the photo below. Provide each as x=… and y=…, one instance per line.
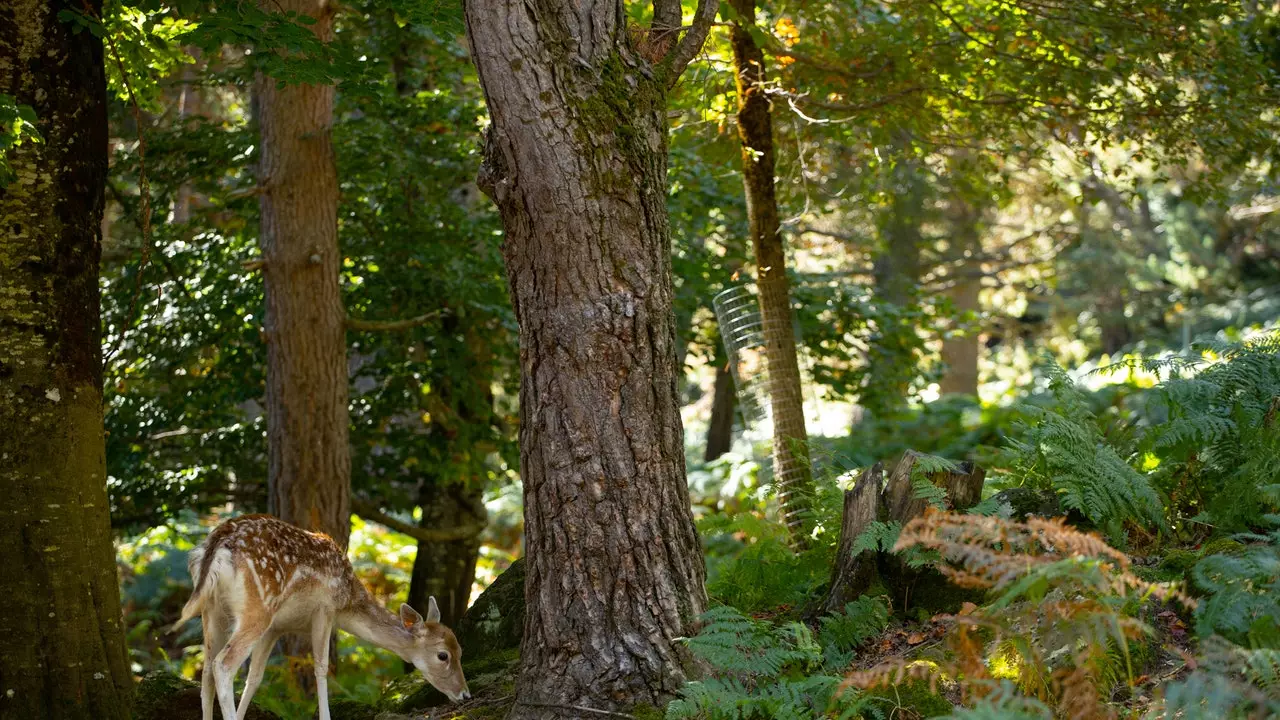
x=409, y=616
x=433, y=610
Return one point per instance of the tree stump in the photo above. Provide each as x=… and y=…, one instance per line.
x=852, y=574
x=872, y=499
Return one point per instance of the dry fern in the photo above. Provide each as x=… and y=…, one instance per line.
x=1057, y=623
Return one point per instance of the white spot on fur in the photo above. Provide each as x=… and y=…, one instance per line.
x=53, y=394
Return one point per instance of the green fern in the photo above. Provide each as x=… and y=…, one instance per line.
x=760, y=670
x=1061, y=448
x=1004, y=701
x=1243, y=602
x=1219, y=437
x=841, y=633
x=878, y=537
x=1229, y=682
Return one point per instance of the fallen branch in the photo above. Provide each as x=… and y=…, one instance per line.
x=369, y=511
x=391, y=325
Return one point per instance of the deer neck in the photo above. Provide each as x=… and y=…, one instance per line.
x=375, y=624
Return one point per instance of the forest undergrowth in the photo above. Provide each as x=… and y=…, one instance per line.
x=1123, y=563
x=1154, y=592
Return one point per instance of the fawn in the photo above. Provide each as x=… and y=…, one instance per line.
x=257, y=577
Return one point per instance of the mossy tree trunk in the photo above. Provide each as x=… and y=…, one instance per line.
x=576, y=160
x=62, y=651
x=786, y=402
x=309, y=459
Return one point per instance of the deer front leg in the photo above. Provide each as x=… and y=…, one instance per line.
x=321, y=629
x=257, y=665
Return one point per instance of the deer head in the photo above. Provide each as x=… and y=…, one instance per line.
x=435, y=651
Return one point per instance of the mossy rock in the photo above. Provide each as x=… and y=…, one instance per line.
x=351, y=710
x=1222, y=546
x=413, y=692
x=1178, y=562
x=166, y=696
x=647, y=712
x=495, y=621
x=1175, y=566
x=910, y=701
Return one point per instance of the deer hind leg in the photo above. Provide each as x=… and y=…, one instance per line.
x=257, y=665
x=321, y=629
x=249, y=629
x=215, y=638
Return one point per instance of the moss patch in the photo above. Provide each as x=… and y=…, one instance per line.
x=1222, y=546
x=910, y=701
x=166, y=696
x=495, y=621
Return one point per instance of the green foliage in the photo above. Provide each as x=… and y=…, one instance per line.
x=841, y=633
x=1228, y=683
x=1004, y=702
x=762, y=670
x=17, y=125
x=880, y=536
x=1062, y=448
x=1243, y=592
x=1219, y=438
x=752, y=566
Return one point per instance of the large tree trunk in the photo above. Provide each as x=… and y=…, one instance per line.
x=786, y=402
x=62, y=651
x=576, y=161
x=309, y=460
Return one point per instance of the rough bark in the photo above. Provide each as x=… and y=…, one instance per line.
x=755, y=128
x=963, y=488
x=309, y=461
x=62, y=651
x=852, y=574
x=576, y=161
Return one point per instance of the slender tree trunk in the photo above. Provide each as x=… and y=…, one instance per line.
x=446, y=570
x=755, y=127
x=309, y=460
x=960, y=354
x=576, y=161
x=62, y=651
x=891, y=366
x=724, y=402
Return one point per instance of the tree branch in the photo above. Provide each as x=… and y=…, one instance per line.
x=369, y=511
x=691, y=44
x=360, y=325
